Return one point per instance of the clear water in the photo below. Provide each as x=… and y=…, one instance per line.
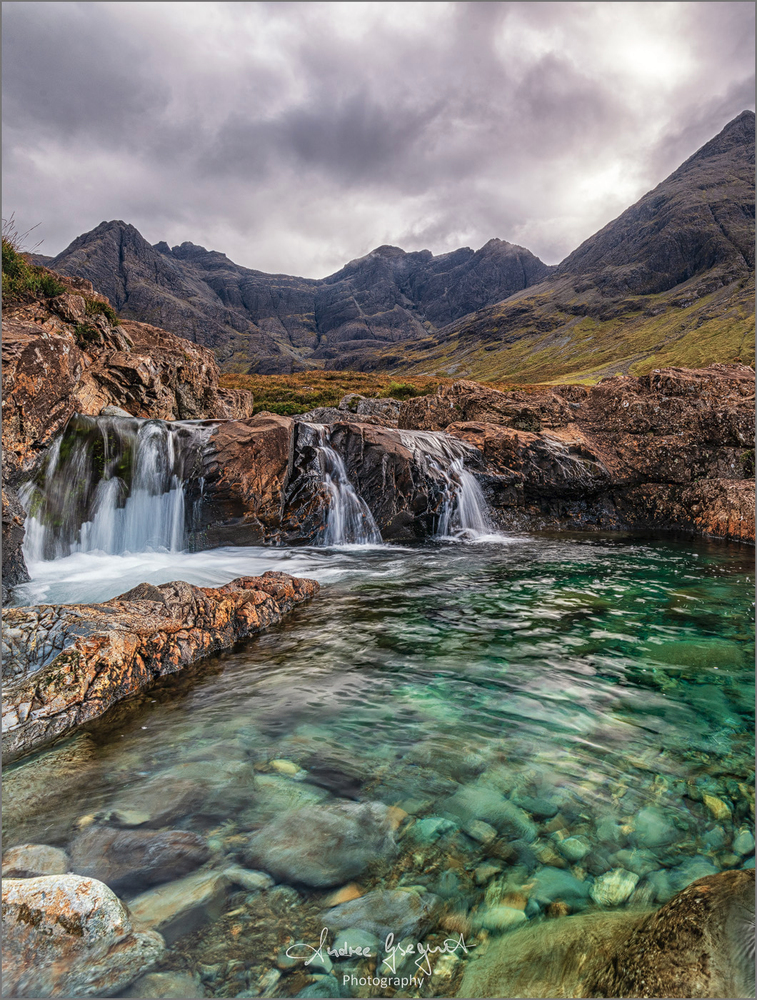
x=592, y=678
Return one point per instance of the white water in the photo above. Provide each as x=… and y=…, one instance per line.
x=118, y=487
x=465, y=513
x=349, y=520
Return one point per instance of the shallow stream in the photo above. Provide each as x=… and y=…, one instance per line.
x=543, y=712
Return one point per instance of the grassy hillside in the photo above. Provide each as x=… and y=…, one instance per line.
x=544, y=335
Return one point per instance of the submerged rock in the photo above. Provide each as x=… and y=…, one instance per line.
x=136, y=858
x=402, y=912
x=700, y=944
x=73, y=662
x=165, y=984
x=32, y=860
x=614, y=887
x=181, y=906
x=323, y=847
x=68, y=936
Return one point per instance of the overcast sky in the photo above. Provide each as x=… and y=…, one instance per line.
x=297, y=136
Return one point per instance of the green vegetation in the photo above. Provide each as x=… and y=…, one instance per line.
x=23, y=281
x=303, y=391
x=96, y=308
x=86, y=334
x=554, y=338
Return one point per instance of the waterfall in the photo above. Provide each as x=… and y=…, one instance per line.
x=464, y=511
x=112, y=484
x=349, y=520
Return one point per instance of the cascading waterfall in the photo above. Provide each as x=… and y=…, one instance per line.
x=112, y=484
x=464, y=512
x=349, y=520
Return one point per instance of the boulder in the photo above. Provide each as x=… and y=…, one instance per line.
x=402, y=912
x=33, y=860
x=323, y=846
x=700, y=944
x=14, y=565
x=182, y=906
x=129, y=859
x=67, y=936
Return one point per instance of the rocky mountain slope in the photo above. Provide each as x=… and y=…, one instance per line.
x=669, y=282
x=277, y=323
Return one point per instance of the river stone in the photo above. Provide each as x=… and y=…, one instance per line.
x=273, y=794
x=32, y=860
x=129, y=859
x=689, y=871
x=182, y=906
x=574, y=849
x=642, y=862
x=551, y=884
x=68, y=936
x=355, y=942
x=159, y=802
x=652, y=829
x=250, y=880
x=614, y=888
x=743, y=842
x=165, y=984
x=431, y=828
x=323, y=847
x=500, y=918
x=401, y=912
x=610, y=832
x=481, y=802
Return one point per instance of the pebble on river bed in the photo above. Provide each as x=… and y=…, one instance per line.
x=613, y=888
x=743, y=842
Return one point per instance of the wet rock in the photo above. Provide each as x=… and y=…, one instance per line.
x=182, y=906
x=402, y=912
x=640, y=861
x=353, y=942
x=32, y=860
x=159, y=802
x=485, y=873
x=104, y=653
x=165, y=984
x=481, y=802
x=551, y=884
x=68, y=936
x=652, y=828
x=273, y=794
x=743, y=842
x=500, y=918
x=136, y=858
x=613, y=888
x=700, y=944
x=717, y=807
x=14, y=566
x=324, y=986
x=689, y=871
x=323, y=846
x=574, y=849
x=250, y=880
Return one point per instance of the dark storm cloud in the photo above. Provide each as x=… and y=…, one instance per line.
x=297, y=136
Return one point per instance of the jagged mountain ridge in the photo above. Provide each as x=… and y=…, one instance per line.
x=272, y=323
x=670, y=281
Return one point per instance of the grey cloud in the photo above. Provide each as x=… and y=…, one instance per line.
x=294, y=139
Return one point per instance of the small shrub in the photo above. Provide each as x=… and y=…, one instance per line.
x=23, y=281
x=86, y=334
x=401, y=390
x=96, y=308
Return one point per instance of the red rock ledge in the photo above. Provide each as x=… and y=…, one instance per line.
x=64, y=665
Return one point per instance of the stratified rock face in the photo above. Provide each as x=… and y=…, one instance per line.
x=692, y=223
x=674, y=448
x=14, y=567
x=67, y=936
x=58, y=360
x=700, y=944
x=64, y=665
x=276, y=322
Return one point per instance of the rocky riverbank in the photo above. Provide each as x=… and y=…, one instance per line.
x=68, y=664
x=673, y=450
